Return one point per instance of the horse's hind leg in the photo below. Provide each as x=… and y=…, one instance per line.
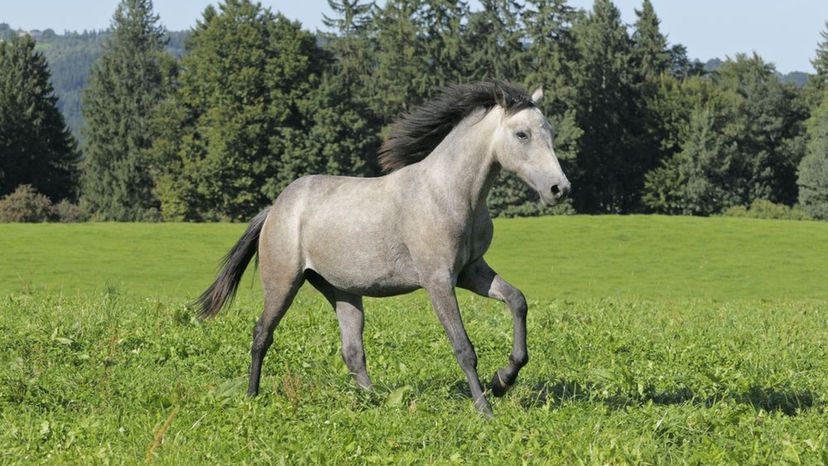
x=349, y=313
x=279, y=291
x=481, y=279
x=351, y=318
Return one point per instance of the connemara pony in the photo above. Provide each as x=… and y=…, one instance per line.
x=422, y=225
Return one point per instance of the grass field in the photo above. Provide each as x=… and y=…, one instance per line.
x=652, y=340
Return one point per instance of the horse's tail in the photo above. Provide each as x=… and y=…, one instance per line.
x=232, y=268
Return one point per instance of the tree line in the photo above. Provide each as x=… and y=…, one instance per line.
x=256, y=101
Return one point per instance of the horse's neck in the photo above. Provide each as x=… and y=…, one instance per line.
x=462, y=167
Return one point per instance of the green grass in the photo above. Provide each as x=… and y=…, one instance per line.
x=549, y=258
x=652, y=340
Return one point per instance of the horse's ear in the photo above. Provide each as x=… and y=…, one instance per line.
x=537, y=96
x=500, y=97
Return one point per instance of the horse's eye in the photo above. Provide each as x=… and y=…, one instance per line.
x=521, y=135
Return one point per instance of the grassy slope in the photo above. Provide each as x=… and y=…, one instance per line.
x=677, y=340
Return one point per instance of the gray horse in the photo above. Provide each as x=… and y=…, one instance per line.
x=423, y=225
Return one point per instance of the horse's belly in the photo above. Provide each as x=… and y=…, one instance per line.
x=368, y=281
x=363, y=263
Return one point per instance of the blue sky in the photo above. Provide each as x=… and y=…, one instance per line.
x=784, y=32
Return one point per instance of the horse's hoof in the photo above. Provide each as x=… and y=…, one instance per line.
x=484, y=408
x=499, y=386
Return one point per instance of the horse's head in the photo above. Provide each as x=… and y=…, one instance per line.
x=523, y=145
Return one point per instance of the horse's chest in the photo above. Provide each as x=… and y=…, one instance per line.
x=475, y=242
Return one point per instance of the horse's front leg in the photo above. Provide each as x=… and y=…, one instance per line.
x=481, y=279
x=444, y=301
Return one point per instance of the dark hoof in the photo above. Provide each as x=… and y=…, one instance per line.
x=499, y=385
x=484, y=408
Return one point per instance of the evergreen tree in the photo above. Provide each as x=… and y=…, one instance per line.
x=344, y=130
x=495, y=41
x=652, y=60
x=820, y=62
x=125, y=86
x=396, y=82
x=36, y=147
x=442, y=27
x=244, y=109
x=349, y=45
x=610, y=166
x=681, y=67
x=650, y=52
x=813, y=169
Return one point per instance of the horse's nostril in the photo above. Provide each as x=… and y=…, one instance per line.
x=555, y=189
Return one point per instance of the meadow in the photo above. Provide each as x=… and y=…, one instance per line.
x=653, y=340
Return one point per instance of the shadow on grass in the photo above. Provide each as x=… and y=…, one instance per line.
x=780, y=399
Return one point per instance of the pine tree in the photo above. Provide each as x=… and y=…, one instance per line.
x=344, y=129
x=495, y=41
x=610, y=165
x=650, y=52
x=652, y=60
x=36, y=147
x=396, y=83
x=442, y=27
x=125, y=86
x=820, y=61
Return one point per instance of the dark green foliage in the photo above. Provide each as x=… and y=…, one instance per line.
x=813, y=169
x=441, y=23
x=610, y=163
x=765, y=123
x=345, y=130
x=237, y=127
x=25, y=204
x=691, y=181
x=653, y=61
x=820, y=61
x=743, y=141
x=36, y=147
x=396, y=82
x=71, y=56
x=650, y=52
x=126, y=85
x=256, y=101
x=70, y=59
x=495, y=42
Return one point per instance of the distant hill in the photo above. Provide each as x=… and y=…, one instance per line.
x=797, y=78
x=70, y=56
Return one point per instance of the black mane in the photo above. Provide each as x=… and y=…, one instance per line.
x=417, y=133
